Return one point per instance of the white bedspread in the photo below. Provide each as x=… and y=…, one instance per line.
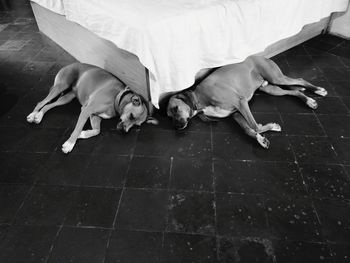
x=53, y=5
x=174, y=39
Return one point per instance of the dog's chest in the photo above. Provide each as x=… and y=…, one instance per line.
x=214, y=111
x=104, y=115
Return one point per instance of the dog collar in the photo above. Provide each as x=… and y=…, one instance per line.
x=120, y=97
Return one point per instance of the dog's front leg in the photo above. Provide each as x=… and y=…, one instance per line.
x=95, y=125
x=249, y=131
x=69, y=144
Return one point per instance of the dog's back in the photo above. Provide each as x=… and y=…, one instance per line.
x=241, y=79
x=84, y=80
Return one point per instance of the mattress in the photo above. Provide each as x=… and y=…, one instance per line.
x=175, y=39
x=53, y=5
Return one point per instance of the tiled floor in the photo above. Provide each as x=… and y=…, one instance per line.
x=209, y=194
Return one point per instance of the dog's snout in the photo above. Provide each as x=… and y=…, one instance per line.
x=180, y=124
x=121, y=126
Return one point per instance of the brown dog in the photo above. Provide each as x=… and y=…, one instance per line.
x=229, y=89
x=101, y=95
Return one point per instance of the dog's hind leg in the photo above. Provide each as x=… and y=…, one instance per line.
x=277, y=91
x=273, y=74
x=60, y=101
x=249, y=131
x=54, y=92
x=95, y=125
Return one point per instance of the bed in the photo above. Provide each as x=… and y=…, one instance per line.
x=158, y=47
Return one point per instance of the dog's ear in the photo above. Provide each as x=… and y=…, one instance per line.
x=136, y=101
x=152, y=120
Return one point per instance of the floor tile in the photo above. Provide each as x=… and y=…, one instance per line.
x=246, y=250
x=12, y=44
x=331, y=105
x=341, y=87
x=340, y=252
x=241, y=215
x=293, y=219
x=313, y=150
x=192, y=174
x=302, y=252
x=80, y=245
x=27, y=244
x=191, y=212
x=24, y=173
x=42, y=140
x=143, y=210
x=291, y=104
x=45, y=206
x=132, y=246
x=113, y=142
x=336, y=125
x=106, y=170
x=263, y=103
x=241, y=147
x=93, y=207
x=62, y=169
x=188, y=248
x=11, y=138
x=343, y=49
x=167, y=144
x=335, y=219
x=308, y=72
x=346, y=101
x=326, y=181
x=341, y=147
x=148, y=172
x=11, y=199
x=301, y=124
x=258, y=178
x=336, y=74
x=296, y=61
x=327, y=60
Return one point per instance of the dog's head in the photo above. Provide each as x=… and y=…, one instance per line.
x=132, y=110
x=179, y=110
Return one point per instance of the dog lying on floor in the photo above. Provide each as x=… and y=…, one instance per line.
x=101, y=95
x=229, y=89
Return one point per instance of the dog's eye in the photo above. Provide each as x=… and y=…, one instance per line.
x=131, y=117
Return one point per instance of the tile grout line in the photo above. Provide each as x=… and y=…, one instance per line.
x=165, y=230
x=217, y=244
x=118, y=207
x=53, y=243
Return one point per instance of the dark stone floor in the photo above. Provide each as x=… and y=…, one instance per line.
x=209, y=194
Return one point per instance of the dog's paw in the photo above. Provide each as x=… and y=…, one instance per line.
x=275, y=127
x=321, y=91
x=311, y=103
x=38, y=117
x=31, y=116
x=67, y=147
x=263, y=141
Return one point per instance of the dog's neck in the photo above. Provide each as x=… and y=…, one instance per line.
x=191, y=99
x=121, y=95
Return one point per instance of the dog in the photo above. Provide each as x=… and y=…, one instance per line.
x=101, y=95
x=228, y=90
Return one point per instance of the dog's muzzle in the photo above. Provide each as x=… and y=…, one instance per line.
x=180, y=124
x=121, y=127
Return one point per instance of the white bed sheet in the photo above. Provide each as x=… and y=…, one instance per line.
x=53, y=5
x=175, y=39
